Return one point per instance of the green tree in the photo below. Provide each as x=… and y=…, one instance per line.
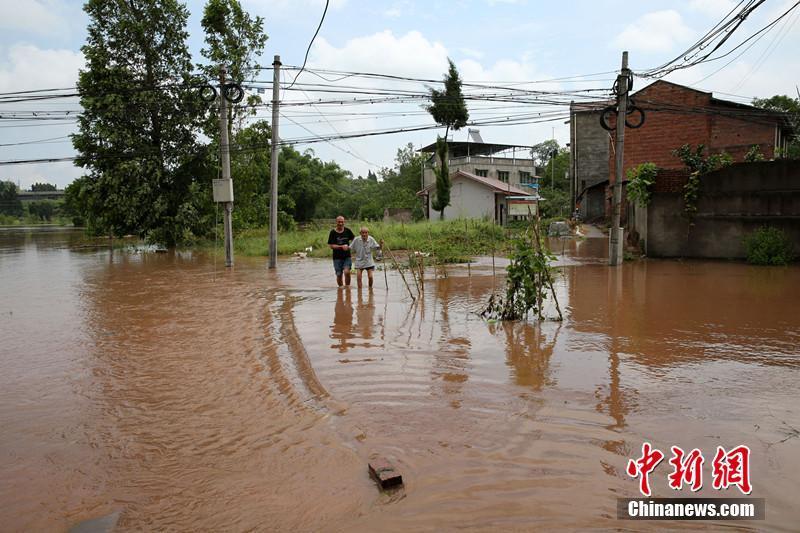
x=137, y=130
x=779, y=102
x=235, y=39
x=10, y=204
x=442, y=173
x=448, y=109
x=44, y=209
x=307, y=180
x=43, y=187
x=791, y=107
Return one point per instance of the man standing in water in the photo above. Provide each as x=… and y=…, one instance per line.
x=362, y=249
x=339, y=241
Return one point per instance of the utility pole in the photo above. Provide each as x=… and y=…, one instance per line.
x=552, y=164
x=615, y=241
x=273, y=175
x=226, y=166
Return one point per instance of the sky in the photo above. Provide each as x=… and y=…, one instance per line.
x=523, y=44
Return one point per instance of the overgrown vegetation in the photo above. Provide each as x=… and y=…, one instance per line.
x=528, y=282
x=768, y=246
x=448, y=109
x=791, y=109
x=754, y=154
x=698, y=164
x=640, y=183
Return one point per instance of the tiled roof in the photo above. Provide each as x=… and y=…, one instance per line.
x=496, y=185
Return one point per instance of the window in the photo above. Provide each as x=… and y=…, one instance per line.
x=525, y=177
x=481, y=172
x=502, y=175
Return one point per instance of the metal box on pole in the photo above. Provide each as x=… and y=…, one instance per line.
x=223, y=190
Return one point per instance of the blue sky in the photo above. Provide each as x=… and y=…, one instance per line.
x=493, y=41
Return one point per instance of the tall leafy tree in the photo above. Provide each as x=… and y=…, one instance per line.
x=442, y=174
x=791, y=107
x=137, y=132
x=10, y=204
x=448, y=109
x=235, y=39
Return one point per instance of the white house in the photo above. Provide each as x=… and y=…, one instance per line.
x=473, y=196
x=491, y=181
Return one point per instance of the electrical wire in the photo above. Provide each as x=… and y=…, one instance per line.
x=321, y=20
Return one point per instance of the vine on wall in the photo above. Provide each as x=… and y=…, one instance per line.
x=698, y=164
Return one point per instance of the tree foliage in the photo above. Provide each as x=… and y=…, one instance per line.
x=42, y=209
x=235, y=39
x=10, y=204
x=640, y=183
x=697, y=163
x=442, y=172
x=447, y=106
x=137, y=131
x=448, y=109
x=43, y=187
x=790, y=106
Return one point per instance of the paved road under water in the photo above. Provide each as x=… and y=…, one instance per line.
x=185, y=397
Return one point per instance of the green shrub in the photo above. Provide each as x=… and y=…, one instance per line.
x=640, y=183
x=768, y=246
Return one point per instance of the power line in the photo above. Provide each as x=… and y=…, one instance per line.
x=324, y=12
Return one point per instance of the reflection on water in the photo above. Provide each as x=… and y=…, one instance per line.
x=191, y=398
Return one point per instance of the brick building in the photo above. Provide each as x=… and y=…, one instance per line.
x=674, y=115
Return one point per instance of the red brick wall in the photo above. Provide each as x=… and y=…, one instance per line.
x=670, y=180
x=667, y=129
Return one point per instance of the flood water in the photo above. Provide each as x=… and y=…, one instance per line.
x=184, y=397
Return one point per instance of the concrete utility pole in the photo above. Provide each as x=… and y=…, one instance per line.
x=616, y=241
x=226, y=166
x=273, y=174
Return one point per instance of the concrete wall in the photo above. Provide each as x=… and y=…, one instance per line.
x=469, y=199
x=589, y=152
x=733, y=202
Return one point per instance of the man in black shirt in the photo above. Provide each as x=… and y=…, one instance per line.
x=339, y=240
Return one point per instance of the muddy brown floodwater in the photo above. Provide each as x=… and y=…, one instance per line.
x=184, y=397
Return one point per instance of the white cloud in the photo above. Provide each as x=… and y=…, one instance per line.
x=658, y=31
x=392, y=13
x=712, y=8
x=469, y=52
x=29, y=67
x=410, y=54
x=37, y=16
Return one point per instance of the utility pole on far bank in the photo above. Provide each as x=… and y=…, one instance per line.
x=616, y=234
x=273, y=196
x=225, y=160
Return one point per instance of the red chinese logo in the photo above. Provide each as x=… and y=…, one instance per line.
x=686, y=468
x=728, y=468
x=732, y=468
x=644, y=466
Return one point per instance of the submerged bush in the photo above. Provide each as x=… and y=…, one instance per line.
x=768, y=246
